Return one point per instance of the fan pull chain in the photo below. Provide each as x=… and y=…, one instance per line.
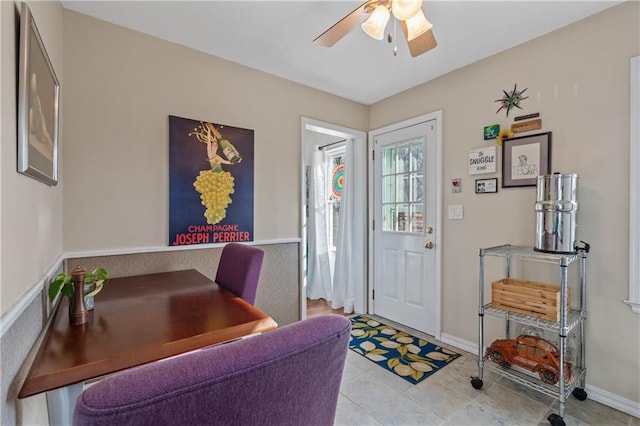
x=392, y=37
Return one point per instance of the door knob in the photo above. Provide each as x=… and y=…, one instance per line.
x=429, y=230
x=429, y=245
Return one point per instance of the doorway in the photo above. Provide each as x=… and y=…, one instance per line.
x=333, y=218
x=405, y=209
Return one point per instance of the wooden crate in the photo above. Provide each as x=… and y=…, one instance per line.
x=528, y=297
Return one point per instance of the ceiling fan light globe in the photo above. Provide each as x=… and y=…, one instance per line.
x=405, y=9
x=417, y=25
x=375, y=25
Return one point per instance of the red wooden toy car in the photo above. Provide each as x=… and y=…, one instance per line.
x=532, y=353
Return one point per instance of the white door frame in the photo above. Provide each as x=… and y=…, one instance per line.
x=437, y=116
x=359, y=140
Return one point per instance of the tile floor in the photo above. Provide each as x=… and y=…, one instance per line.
x=370, y=395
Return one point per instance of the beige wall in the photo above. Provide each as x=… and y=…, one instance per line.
x=121, y=87
x=116, y=147
x=578, y=79
x=31, y=212
x=30, y=220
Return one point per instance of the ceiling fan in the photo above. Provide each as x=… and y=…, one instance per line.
x=373, y=16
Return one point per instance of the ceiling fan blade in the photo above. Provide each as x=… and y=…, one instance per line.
x=421, y=44
x=342, y=27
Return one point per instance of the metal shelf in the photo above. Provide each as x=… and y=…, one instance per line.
x=570, y=319
x=573, y=319
x=525, y=378
x=528, y=253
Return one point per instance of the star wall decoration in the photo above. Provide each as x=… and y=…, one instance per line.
x=511, y=99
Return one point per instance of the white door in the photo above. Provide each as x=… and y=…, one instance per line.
x=405, y=179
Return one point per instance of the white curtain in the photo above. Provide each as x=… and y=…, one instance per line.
x=349, y=263
x=318, y=272
x=349, y=268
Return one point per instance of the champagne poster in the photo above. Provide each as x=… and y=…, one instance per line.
x=210, y=183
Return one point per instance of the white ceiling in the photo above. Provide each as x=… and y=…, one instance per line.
x=276, y=37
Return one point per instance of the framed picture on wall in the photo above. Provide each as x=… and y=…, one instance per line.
x=38, y=96
x=525, y=158
x=486, y=186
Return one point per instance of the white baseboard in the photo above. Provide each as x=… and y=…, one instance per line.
x=459, y=343
x=599, y=395
x=602, y=396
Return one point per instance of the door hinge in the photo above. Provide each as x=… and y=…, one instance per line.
x=373, y=155
x=374, y=225
x=373, y=294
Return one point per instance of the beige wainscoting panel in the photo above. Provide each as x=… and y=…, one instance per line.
x=278, y=289
x=16, y=352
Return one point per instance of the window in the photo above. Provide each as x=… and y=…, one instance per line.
x=403, y=187
x=334, y=159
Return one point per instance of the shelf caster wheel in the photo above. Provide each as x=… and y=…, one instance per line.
x=476, y=383
x=579, y=394
x=555, y=420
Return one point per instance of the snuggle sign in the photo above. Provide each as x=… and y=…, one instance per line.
x=482, y=160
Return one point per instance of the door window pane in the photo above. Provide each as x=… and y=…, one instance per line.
x=389, y=189
x=402, y=218
x=417, y=188
x=417, y=157
x=388, y=217
x=403, y=158
x=389, y=161
x=416, y=223
x=402, y=181
x=403, y=187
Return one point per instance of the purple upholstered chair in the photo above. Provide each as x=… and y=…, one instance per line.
x=239, y=270
x=288, y=376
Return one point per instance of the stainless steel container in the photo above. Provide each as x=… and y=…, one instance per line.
x=556, y=208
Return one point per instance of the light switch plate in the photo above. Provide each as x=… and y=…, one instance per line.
x=456, y=212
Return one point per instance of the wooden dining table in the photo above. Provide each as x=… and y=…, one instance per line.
x=136, y=320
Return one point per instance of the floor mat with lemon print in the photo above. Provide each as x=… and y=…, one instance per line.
x=409, y=357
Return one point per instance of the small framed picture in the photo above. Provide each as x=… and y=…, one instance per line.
x=38, y=97
x=525, y=158
x=491, y=132
x=486, y=186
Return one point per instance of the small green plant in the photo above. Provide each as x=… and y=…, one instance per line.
x=63, y=283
